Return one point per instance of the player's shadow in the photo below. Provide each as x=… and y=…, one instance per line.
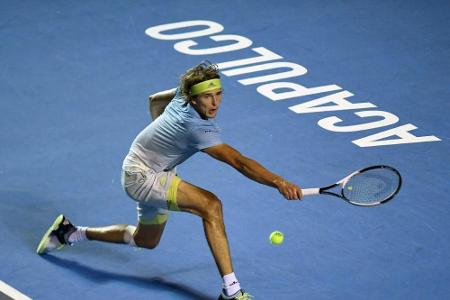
x=101, y=276
x=23, y=214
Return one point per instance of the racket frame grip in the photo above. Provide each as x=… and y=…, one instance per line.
x=311, y=192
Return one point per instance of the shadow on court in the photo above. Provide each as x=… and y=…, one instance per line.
x=26, y=215
x=101, y=276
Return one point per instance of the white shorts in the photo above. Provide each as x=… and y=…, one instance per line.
x=155, y=193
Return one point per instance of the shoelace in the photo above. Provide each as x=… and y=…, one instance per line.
x=64, y=230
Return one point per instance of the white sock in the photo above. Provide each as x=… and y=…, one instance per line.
x=231, y=284
x=79, y=235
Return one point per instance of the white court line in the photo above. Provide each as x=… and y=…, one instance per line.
x=11, y=292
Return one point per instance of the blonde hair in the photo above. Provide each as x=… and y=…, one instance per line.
x=202, y=72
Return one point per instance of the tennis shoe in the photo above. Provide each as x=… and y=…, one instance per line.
x=57, y=236
x=239, y=295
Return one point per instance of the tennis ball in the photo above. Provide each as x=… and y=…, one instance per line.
x=276, y=237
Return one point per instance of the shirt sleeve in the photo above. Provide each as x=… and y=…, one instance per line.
x=205, y=136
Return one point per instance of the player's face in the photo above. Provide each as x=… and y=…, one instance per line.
x=207, y=104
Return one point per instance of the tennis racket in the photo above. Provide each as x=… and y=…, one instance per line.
x=366, y=187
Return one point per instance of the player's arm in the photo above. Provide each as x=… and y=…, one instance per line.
x=253, y=170
x=158, y=102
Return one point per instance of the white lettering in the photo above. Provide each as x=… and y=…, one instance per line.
x=338, y=98
x=286, y=90
x=388, y=119
x=295, y=70
x=402, y=132
x=296, y=90
x=241, y=43
x=266, y=55
x=156, y=31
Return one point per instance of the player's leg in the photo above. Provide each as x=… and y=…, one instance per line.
x=151, y=219
x=151, y=223
x=63, y=232
x=143, y=236
x=146, y=235
x=205, y=204
x=111, y=234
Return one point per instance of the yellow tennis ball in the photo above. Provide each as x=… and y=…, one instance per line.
x=276, y=237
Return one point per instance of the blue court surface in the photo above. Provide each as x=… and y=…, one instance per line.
x=333, y=86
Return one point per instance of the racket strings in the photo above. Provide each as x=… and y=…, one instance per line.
x=371, y=186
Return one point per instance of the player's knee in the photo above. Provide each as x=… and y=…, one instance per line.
x=148, y=243
x=139, y=241
x=213, y=207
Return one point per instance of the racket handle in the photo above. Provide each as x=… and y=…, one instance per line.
x=310, y=192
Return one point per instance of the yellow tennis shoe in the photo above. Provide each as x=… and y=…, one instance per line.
x=56, y=236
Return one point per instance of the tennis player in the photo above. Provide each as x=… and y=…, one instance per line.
x=184, y=123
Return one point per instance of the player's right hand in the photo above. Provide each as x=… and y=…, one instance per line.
x=289, y=190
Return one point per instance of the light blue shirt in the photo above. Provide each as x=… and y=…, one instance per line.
x=177, y=134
